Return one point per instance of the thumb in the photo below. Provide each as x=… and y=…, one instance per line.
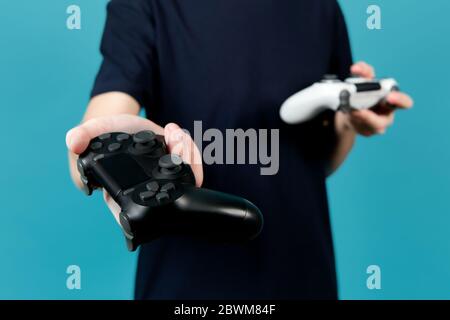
x=78, y=138
x=180, y=143
x=363, y=69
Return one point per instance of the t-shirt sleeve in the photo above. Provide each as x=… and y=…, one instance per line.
x=127, y=48
x=341, y=56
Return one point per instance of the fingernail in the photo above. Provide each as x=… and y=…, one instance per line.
x=69, y=139
x=172, y=127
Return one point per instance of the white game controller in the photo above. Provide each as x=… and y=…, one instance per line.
x=331, y=93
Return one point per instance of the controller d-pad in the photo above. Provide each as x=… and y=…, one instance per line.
x=152, y=186
x=162, y=196
x=168, y=187
x=122, y=137
x=146, y=195
x=128, y=191
x=96, y=145
x=114, y=147
x=98, y=157
x=104, y=136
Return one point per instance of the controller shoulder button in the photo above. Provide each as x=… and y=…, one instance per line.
x=152, y=186
x=114, y=147
x=125, y=223
x=86, y=187
x=80, y=167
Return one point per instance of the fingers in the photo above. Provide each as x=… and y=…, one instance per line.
x=78, y=138
x=112, y=205
x=363, y=69
x=367, y=122
x=400, y=100
x=180, y=142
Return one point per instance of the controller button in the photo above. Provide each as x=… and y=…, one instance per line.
x=152, y=186
x=162, y=196
x=125, y=223
x=84, y=180
x=170, y=161
x=128, y=191
x=147, y=195
x=143, y=137
x=96, y=145
x=330, y=77
x=105, y=136
x=114, y=147
x=168, y=187
x=122, y=137
x=170, y=172
x=80, y=167
x=98, y=157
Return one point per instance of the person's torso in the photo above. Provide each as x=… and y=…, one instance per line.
x=230, y=64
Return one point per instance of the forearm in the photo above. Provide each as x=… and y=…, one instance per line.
x=106, y=104
x=346, y=136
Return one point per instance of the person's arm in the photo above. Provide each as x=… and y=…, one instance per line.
x=118, y=112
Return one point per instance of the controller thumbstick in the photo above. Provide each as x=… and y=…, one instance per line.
x=144, y=137
x=144, y=140
x=330, y=78
x=170, y=164
x=344, y=101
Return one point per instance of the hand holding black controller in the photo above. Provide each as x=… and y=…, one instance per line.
x=157, y=194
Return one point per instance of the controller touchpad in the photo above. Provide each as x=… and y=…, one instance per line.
x=124, y=170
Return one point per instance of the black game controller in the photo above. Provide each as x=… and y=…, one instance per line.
x=157, y=194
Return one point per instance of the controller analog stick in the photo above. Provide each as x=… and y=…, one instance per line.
x=144, y=137
x=144, y=140
x=170, y=164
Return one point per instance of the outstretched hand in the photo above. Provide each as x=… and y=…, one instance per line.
x=377, y=120
x=177, y=140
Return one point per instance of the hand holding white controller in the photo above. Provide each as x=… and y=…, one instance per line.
x=330, y=93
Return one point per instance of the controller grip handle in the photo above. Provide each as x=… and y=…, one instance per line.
x=306, y=104
x=217, y=215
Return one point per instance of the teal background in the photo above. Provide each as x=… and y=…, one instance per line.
x=390, y=201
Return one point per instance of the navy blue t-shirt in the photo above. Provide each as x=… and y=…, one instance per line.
x=231, y=64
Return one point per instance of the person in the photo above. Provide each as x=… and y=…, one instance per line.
x=231, y=64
